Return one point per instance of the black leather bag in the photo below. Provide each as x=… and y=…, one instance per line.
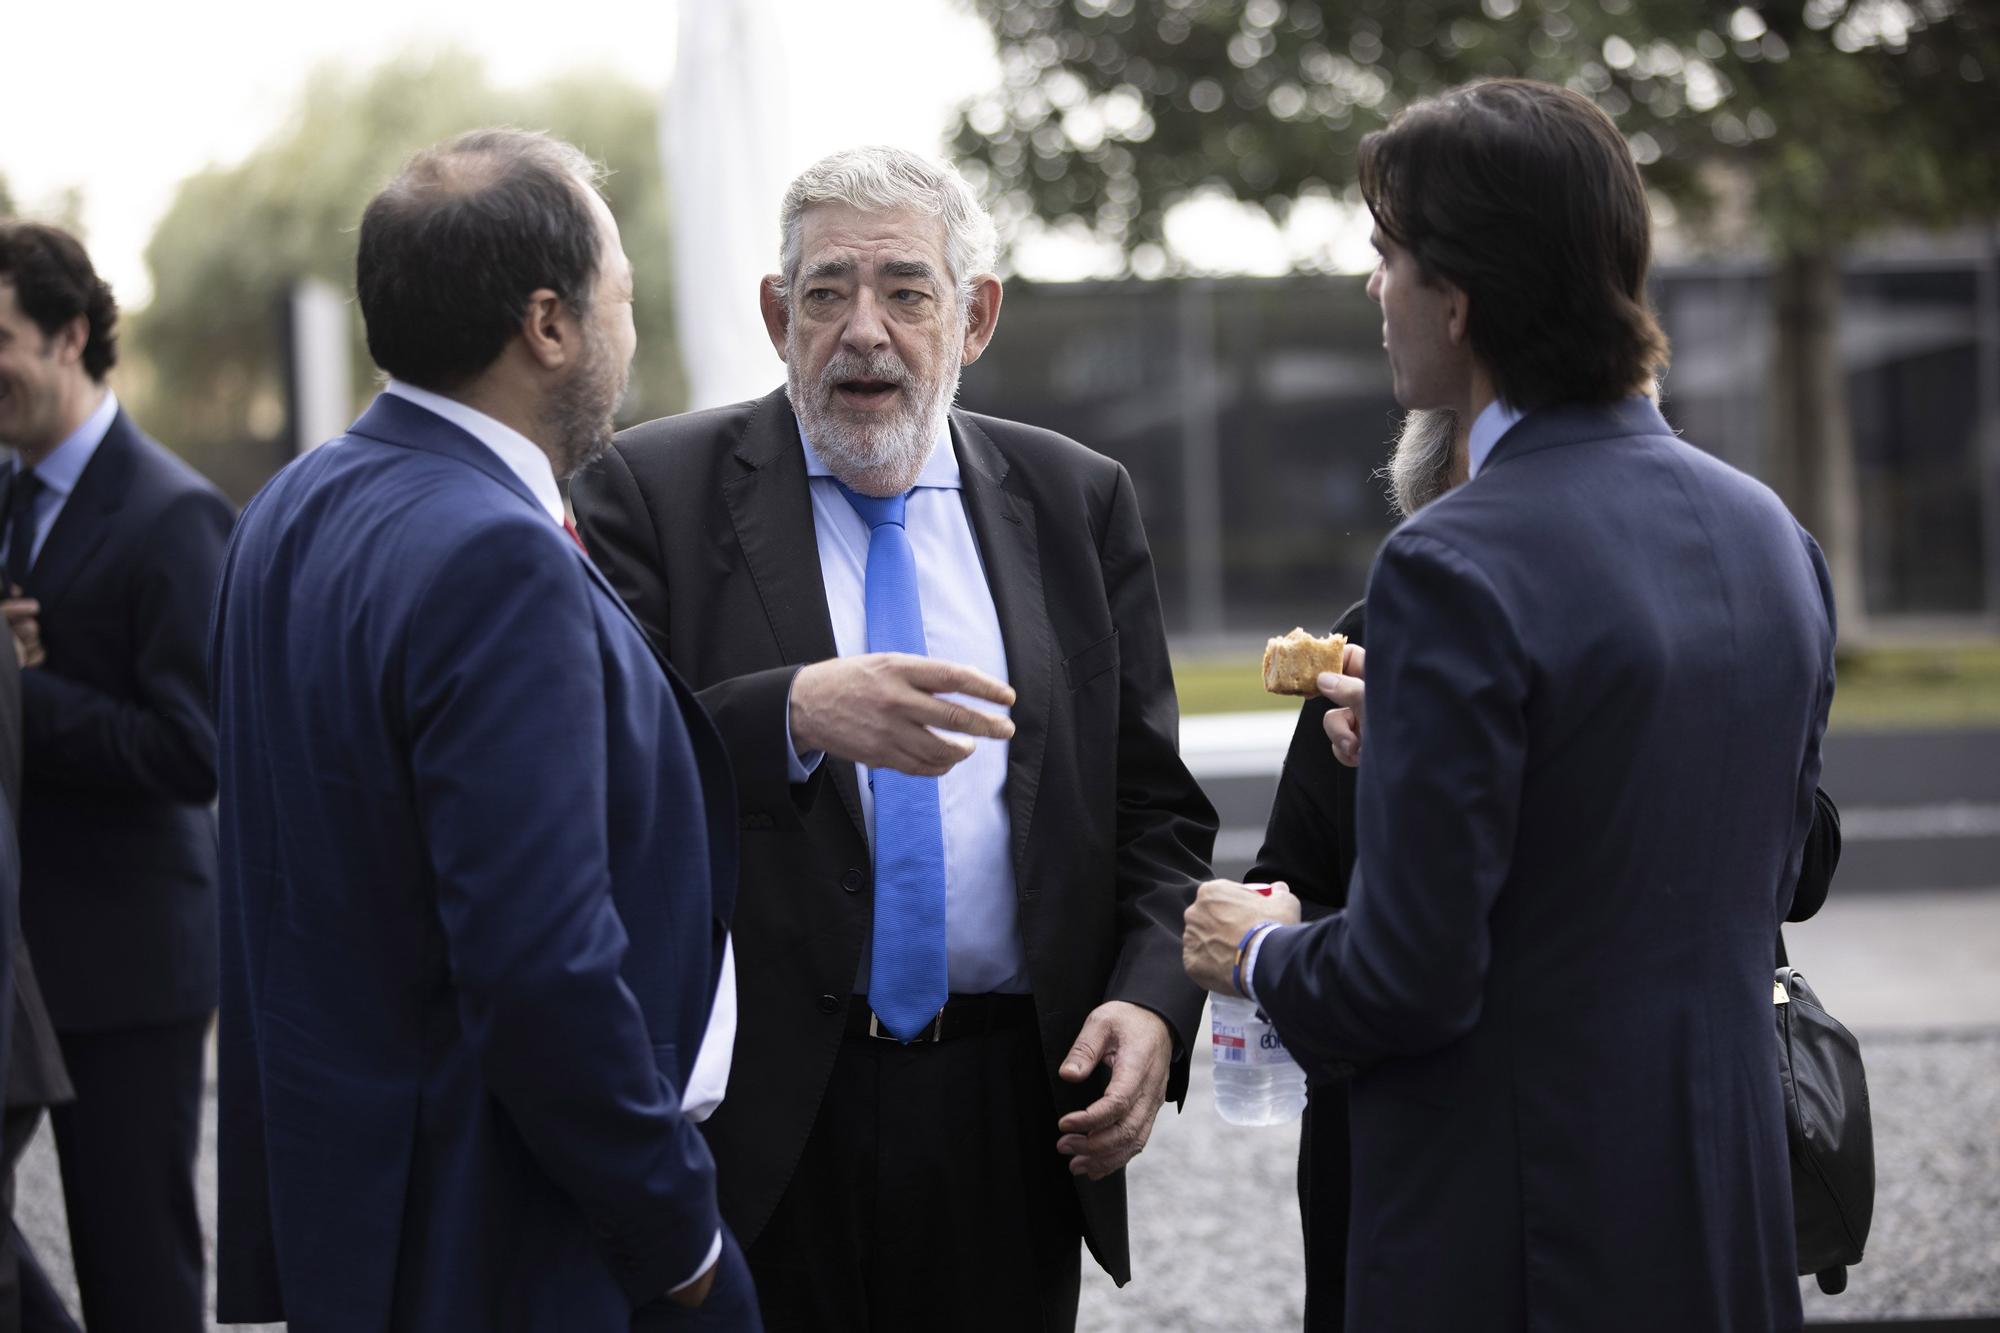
x=1831, y=1131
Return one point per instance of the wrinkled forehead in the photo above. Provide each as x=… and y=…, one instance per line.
x=868, y=240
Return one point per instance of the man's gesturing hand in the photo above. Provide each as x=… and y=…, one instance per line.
x=23, y=619
x=1348, y=696
x=878, y=709
x=1112, y=1130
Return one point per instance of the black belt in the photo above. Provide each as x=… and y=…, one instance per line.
x=962, y=1016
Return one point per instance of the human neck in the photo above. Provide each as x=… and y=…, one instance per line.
x=503, y=399
x=79, y=401
x=1480, y=394
x=1461, y=448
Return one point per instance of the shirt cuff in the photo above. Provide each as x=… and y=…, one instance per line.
x=1250, y=960
x=714, y=1253
x=798, y=767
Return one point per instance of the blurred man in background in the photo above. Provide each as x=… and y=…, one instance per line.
x=116, y=543
x=35, y=1077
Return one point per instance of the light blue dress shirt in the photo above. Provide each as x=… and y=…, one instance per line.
x=983, y=949
x=64, y=465
x=1493, y=421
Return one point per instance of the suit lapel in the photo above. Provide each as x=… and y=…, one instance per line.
x=85, y=520
x=770, y=504
x=1003, y=523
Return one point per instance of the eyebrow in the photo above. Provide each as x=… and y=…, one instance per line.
x=910, y=268
x=831, y=268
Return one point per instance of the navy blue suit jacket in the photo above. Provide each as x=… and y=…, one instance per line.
x=478, y=853
x=1598, y=675
x=117, y=747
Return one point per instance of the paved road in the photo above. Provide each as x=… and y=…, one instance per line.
x=1215, y=1222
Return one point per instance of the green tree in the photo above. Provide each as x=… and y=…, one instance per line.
x=210, y=378
x=1830, y=118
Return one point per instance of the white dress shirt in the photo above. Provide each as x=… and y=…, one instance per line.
x=983, y=950
x=65, y=463
x=525, y=459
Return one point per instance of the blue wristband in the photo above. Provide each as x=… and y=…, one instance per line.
x=1243, y=952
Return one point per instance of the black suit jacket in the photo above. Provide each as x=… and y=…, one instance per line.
x=704, y=524
x=1309, y=845
x=117, y=834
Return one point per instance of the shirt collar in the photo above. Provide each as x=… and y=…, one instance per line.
x=523, y=457
x=58, y=472
x=940, y=470
x=1493, y=422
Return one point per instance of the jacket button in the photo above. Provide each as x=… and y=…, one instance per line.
x=829, y=1004
x=852, y=881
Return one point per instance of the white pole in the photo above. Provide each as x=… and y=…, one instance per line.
x=724, y=141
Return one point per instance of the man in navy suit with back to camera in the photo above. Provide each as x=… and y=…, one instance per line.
x=1596, y=681
x=112, y=547
x=478, y=840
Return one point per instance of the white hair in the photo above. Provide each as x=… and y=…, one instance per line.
x=878, y=179
x=1419, y=470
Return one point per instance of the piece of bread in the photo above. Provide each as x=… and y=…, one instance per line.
x=1292, y=664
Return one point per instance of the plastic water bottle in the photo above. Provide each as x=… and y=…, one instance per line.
x=1256, y=1080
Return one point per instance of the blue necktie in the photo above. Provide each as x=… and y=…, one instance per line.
x=906, y=976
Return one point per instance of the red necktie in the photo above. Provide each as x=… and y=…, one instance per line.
x=574, y=535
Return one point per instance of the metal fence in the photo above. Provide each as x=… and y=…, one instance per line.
x=1252, y=414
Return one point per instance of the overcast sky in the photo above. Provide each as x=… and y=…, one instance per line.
x=123, y=99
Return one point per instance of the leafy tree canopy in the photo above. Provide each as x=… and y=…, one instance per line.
x=1840, y=115
x=210, y=378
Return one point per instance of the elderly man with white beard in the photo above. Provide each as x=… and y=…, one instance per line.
x=933, y=643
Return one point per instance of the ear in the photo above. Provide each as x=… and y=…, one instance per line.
x=982, y=316
x=68, y=342
x=1458, y=314
x=777, y=309
x=549, y=330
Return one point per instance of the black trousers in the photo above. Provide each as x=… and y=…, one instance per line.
x=1325, y=1187
x=127, y=1147
x=930, y=1196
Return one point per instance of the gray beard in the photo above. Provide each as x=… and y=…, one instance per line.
x=1419, y=470
x=881, y=458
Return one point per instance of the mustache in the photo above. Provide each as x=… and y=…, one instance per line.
x=884, y=366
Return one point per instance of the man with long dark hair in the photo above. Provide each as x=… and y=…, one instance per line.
x=1598, y=675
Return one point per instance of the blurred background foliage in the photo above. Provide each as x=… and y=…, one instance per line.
x=1836, y=116
x=209, y=370
x=1798, y=126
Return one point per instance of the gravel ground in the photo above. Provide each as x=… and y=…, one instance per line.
x=1934, y=1249
x=1215, y=1221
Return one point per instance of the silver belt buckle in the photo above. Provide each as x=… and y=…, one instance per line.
x=933, y=1030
